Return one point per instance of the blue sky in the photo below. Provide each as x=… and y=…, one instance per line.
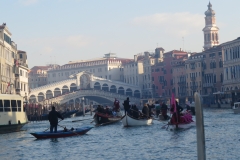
x=68, y=30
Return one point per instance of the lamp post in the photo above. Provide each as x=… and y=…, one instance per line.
x=83, y=107
x=26, y=102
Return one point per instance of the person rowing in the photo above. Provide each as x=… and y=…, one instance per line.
x=53, y=119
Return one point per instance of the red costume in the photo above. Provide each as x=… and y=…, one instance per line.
x=116, y=105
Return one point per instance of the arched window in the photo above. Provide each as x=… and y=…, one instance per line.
x=213, y=37
x=209, y=37
x=216, y=37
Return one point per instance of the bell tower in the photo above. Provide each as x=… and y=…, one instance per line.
x=210, y=30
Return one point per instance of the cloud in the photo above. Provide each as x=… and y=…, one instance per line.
x=28, y=2
x=52, y=45
x=182, y=23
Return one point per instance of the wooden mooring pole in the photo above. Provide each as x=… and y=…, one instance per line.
x=201, y=150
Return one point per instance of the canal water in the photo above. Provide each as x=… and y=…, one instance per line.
x=222, y=133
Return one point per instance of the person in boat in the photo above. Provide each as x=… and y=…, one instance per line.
x=150, y=107
x=53, y=119
x=145, y=111
x=176, y=117
x=157, y=108
x=107, y=111
x=164, y=109
x=126, y=105
x=116, y=105
x=135, y=111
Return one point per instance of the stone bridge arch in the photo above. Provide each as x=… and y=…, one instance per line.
x=41, y=96
x=121, y=90
x=65, y=89
x=57, y=92
x=97, y=86
x=113, y=89
x=105, y=87
x=129, y=92
x=49, y=94
x=73, y=87
x=137, y=94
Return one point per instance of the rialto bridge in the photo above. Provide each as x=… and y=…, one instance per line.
x=85, y=84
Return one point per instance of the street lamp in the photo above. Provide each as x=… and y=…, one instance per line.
x=83, y=107
x=26, y=101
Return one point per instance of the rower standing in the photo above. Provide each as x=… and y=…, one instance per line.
x=145, y=111
x=53, y=119
x=126, y=105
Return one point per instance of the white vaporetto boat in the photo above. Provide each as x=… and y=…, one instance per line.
x=236, y=108
x=130, y=121
x=12, y=114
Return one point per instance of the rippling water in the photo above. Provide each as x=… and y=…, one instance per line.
x=222, y=133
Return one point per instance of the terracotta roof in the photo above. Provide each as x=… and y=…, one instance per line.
x=19, y=51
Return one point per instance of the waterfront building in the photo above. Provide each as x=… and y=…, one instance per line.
x=231, y=67
x=168, y=58
x=179, y=79
x=109, y=67
x=37, y=76
x=158, y=80
x=210, y=31
x=21, y=74
x=194, y=71
x=133, y=71
x=204, y=72
x=149, y=60
x=8, y=52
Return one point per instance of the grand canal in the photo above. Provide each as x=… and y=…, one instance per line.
x=222, y=134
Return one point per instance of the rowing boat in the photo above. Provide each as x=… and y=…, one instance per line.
x=130, y=121
x=62, y=133
x=105, y=119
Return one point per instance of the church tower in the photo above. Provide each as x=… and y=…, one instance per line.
x=210, y=30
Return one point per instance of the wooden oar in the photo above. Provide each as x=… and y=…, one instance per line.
x=81, y=120
x=49, y=127
x=102, y=124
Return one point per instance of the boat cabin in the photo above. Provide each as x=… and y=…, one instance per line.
x=11, y=103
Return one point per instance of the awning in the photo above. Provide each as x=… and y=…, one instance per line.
x=218, y=92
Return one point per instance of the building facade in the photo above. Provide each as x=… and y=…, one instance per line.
x=231, y=67
x=8, y=52
x=210, y=31
x=179, y=79
x=108, y=67
x=37, y=76
x=21, y=74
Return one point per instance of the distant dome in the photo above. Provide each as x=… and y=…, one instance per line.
x=210, y=12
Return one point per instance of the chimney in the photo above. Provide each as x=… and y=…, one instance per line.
x=135, y=58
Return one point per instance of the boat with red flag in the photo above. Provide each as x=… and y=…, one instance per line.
x=180, y=120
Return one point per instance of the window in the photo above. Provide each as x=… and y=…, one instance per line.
x=110, y=77
x=7, y=106
x=20, y=72
x=1, y=105
x=14, y=105
x=7, y=39
x=19, y=103
x=21, y=56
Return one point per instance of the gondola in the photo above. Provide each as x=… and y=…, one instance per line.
x=62, y=133
x=130, y=121
x=105, y=119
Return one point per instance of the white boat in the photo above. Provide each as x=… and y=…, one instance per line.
x=236, y=108
x=12, y=114
x=130, y=121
